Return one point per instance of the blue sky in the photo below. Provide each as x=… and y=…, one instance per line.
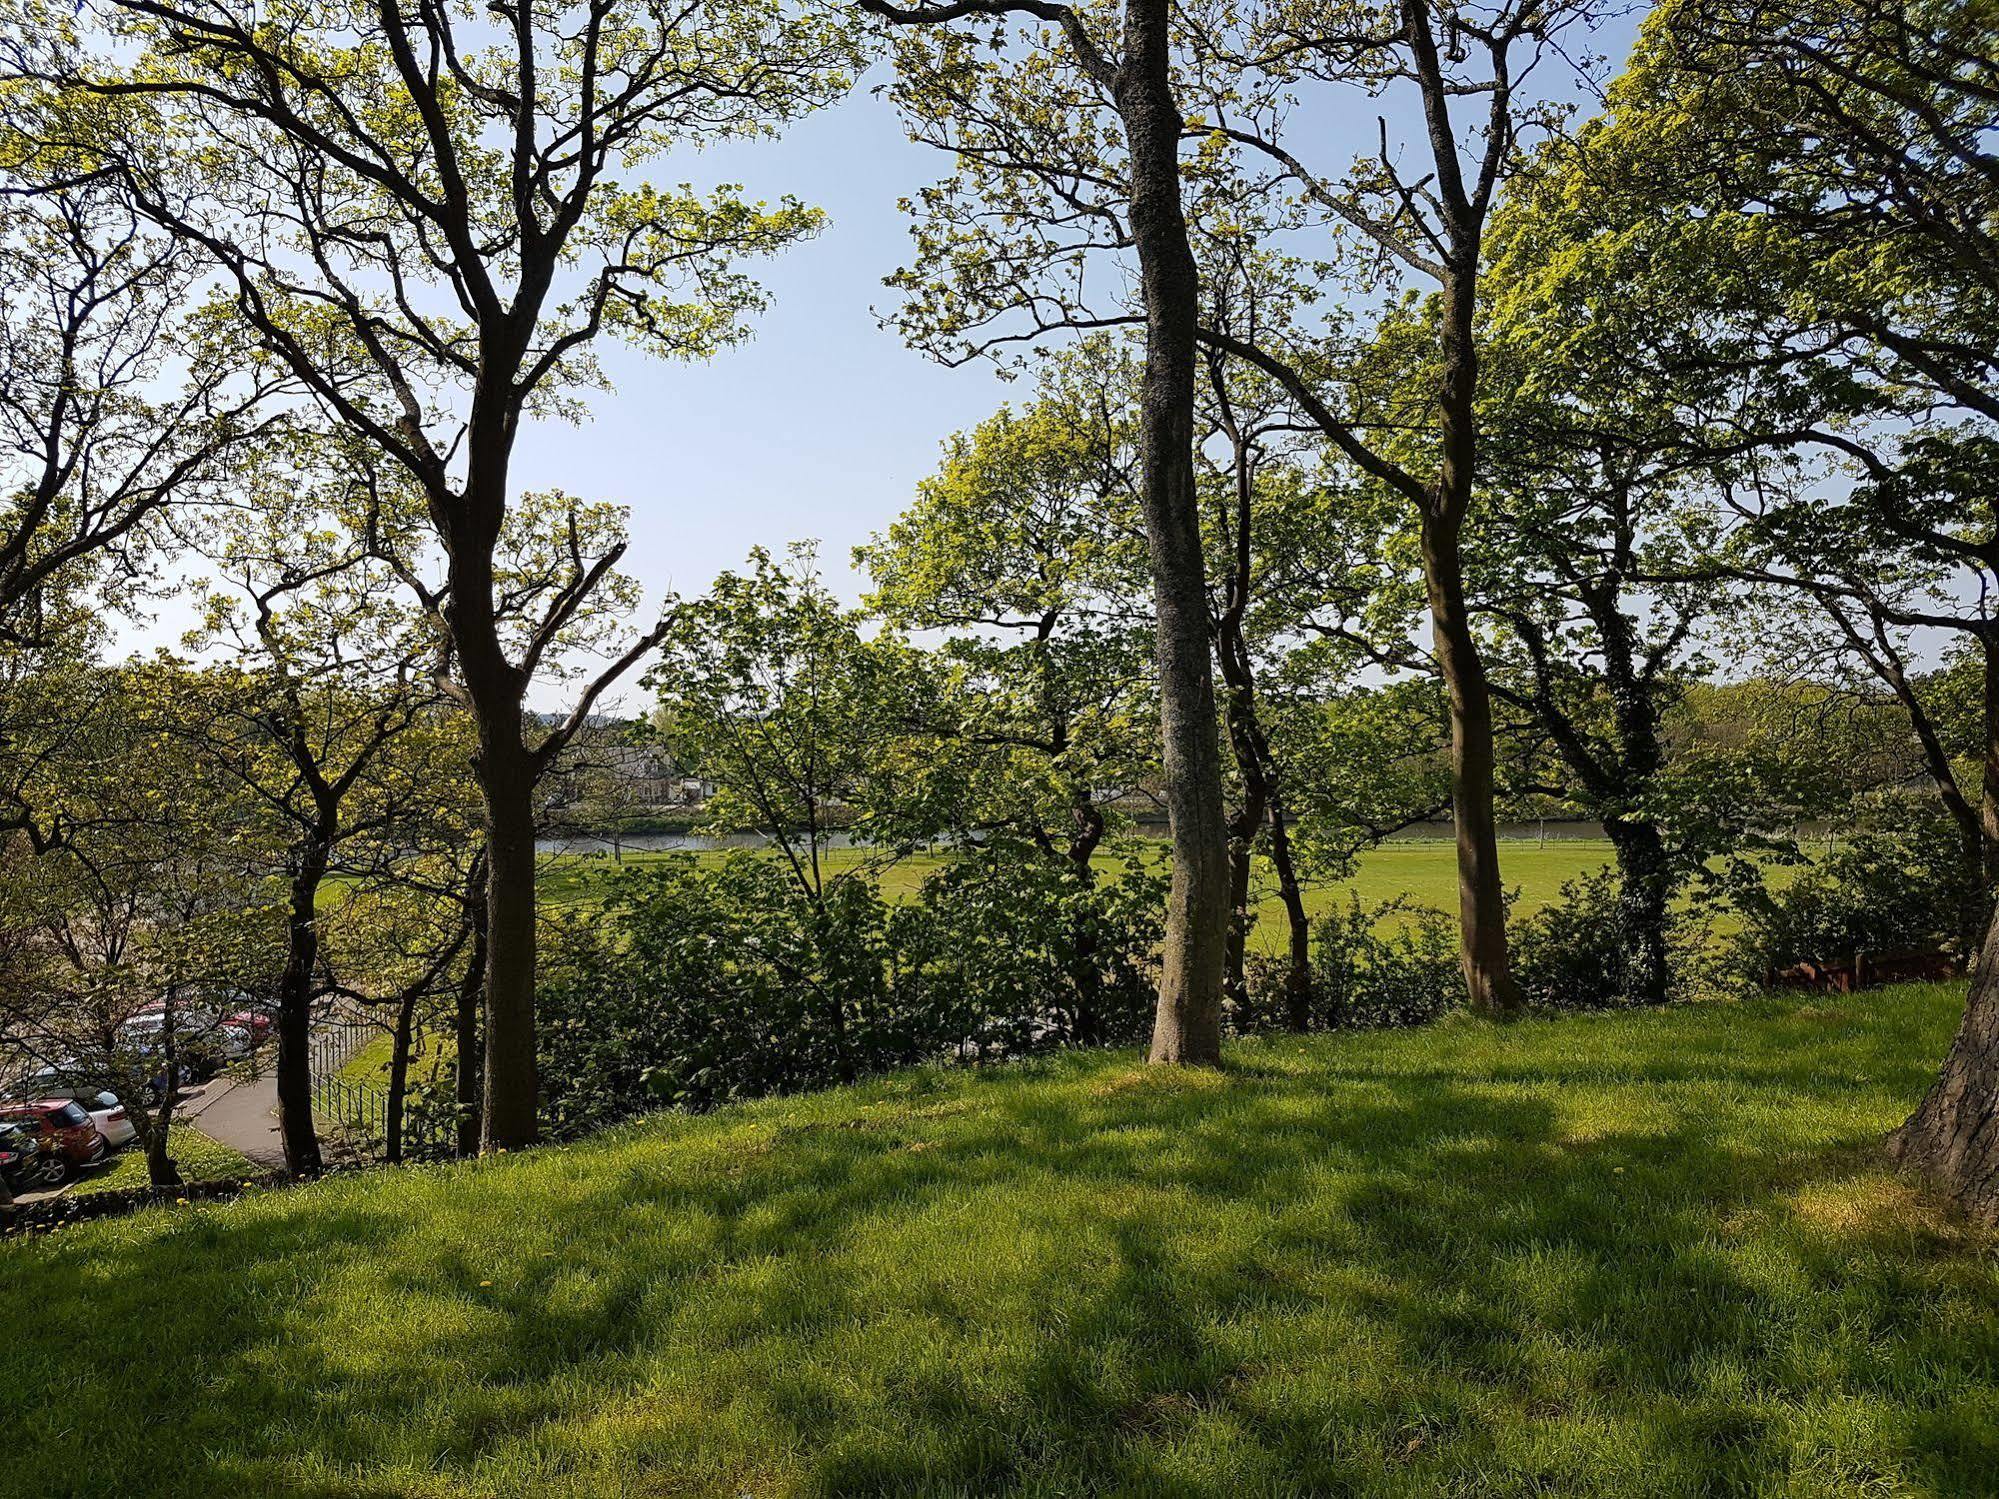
x=822, y=423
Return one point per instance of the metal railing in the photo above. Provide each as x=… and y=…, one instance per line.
x=360, y=1110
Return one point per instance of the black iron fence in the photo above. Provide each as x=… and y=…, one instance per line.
x=357, y=1108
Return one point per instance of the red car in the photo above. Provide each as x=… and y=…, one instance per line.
x=62, y=1126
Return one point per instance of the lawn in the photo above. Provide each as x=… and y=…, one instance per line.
x=1649, y=1254
x=199, y=1159
x=1423, y=870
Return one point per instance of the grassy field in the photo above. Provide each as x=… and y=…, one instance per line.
x=1634, y=1255
x=1424, y=870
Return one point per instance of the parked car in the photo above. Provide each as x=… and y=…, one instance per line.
x=61, y=1126
x=24, y=1165
x=109, y=1119
x=201, y=1046
x=255, y=1023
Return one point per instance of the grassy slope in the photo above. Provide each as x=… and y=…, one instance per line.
x=1615, y=1255
x=199, y=1159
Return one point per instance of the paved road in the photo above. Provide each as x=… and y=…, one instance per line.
x=242, y=1113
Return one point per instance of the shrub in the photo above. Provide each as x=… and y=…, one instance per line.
x=1895, y=884
x=1573, y=954
x=705, y=982
x=1017, y=953
x=1363, y=976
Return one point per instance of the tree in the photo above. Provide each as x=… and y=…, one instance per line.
x=419, y=215
x=1067, y=152
x=117, y=398
x=767, y=681
x=1840, y=245
x=1428, y=221
x=1026, y=549
x=329, y=723
x=142, y=927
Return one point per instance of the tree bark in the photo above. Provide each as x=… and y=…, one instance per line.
x=1952, y=1139
x=1988, y=809
x=1087, y=1022
x=1298, y=962
x=1644, y=888
x=509, y=1117
x=1481, y=904
x=399, y=1078
x=1188, y=1025
x=294, y=1017
x=467, y=1065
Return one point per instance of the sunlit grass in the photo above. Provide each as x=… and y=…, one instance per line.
x=1422, y=871
x=198, y=1157
x=1649, y=1254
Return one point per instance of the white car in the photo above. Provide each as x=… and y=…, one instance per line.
x=108, y=1114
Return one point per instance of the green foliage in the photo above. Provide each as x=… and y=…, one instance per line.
x=1575, y=954
x=706, y=981
x=1391, y=964
x=1893, y=885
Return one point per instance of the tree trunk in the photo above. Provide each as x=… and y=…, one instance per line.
x=1644, y=888
x=160, y=1168
x=466, y=1066
x=294, y=1017
x=1188, y=1024
x=1481, y=904
x=1087, y=1022
x=399, y=1078
x=1989, y=774
x=1298, y=964
x=508, y=1113
x=1953, y=1137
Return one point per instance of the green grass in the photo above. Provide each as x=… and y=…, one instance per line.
x=1423, y=870
x=199, y=1159
x=1638, y=1255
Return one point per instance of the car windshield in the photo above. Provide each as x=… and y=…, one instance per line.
x=105, y=1101
x=12, y=1137
x=70, y=1114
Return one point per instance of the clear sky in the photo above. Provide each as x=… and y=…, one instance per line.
x=822, y=423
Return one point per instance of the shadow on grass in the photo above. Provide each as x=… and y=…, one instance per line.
x=1448, y=1270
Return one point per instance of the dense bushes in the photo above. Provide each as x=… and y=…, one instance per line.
x=701, y=982
x=1898, y=882
x=704, y=982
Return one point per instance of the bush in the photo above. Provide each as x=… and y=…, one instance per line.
x=1573, y=954
x=1363, y=977
x=705, y=982
x=1016, y=953
x=1896, y=884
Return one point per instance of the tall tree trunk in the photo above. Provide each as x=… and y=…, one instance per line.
x=1088, y=1023
x=294, y=1017
x=1298, y=958
x=399, y=1077
x=467, y=1068
x=509, y=1117
x=1953, y=1137
x=1481, y=904
x=1988, y=810
x=1248, y=818
x=1644, y=889
x=1188, y=1024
